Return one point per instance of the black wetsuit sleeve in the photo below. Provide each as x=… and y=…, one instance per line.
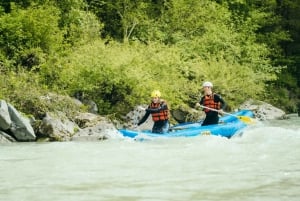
x=145, y=117
x=218, y=98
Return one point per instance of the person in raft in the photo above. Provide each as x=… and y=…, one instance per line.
x=159, y=111
x=211, y=100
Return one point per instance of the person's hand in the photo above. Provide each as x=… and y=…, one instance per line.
x=134, y=126
x=197, y=105
x=221, y=112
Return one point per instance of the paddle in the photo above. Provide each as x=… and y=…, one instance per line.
x=183, y=126
x=245, y=119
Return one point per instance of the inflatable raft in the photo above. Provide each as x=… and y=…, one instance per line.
x=228, y=126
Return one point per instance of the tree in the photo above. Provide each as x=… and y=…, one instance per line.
x=28, y=34
x=123, y=19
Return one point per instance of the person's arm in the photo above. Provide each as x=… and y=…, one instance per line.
x=221, y=100
x=145, y=117
x=200, y=103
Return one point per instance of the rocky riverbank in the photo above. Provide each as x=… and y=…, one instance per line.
x=88, y=126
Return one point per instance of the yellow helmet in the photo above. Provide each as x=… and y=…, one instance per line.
x=155, y=93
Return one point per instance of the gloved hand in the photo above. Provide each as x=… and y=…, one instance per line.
x=221, y=112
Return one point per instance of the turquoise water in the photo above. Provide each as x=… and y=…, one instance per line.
x=263, y=164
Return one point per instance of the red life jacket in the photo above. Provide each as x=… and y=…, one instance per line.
x=160, y=115
x=209, y=101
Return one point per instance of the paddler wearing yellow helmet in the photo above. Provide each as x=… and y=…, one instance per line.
x=158, y=108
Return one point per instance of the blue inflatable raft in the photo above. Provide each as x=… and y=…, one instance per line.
x=229, y=125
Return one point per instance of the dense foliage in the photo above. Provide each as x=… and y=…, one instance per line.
x=115, y=52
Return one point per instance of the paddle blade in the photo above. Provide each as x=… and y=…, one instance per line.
x=245, y=119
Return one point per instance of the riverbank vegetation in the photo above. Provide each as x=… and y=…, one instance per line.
x=116, y=52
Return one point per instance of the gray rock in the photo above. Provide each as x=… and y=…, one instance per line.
x=5, y=138
x=101, y=129
x=84, y=120
x=263, y=110
x=21, y=127
x=57, y=127
x=186, y=114
x=92, y=106
x=134, y=116
x=5, y=121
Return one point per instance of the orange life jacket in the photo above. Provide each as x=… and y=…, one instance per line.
x=160, y=115
x=209, y=101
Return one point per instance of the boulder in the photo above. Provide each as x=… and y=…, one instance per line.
x=20, y=127
x=5, y=121
x=5, y=138
x=134, y=116
x=263, y=110
x=186, y=114
x=86, y=119
x=57, y=127
x=94, y=128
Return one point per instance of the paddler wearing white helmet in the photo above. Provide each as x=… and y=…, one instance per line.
x=213, y=101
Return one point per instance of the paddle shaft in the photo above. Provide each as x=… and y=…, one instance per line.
x=245, y=119
x=217, y=110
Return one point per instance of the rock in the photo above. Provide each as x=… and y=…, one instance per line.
x=134, y=116
x=5, y=138
x=263, y=110
x=101, y=130
x=92, y=106
x=57, y=127
x=5, y=121
x=187, y=114
x=20, y=127
x=84, y=120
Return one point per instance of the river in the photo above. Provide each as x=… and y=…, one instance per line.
x=263, y=164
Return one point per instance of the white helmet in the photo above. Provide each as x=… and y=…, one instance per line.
x=207, y=84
